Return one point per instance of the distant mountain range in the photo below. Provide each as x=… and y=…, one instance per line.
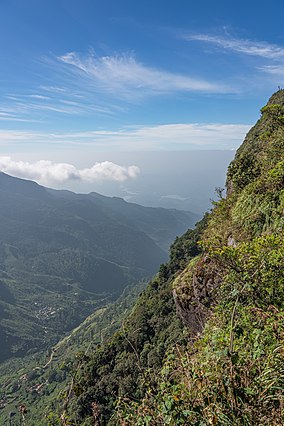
x=62, y=255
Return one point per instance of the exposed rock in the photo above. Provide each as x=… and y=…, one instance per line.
x=195, y=293
x=231, y=242
x=229, y=188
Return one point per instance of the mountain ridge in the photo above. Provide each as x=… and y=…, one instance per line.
x=71, y=253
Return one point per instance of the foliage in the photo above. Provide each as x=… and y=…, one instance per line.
x=64, y=255
x=251, y=158
x=41, y=381
x=233, y=374
x=227, y=274
x=127, y=363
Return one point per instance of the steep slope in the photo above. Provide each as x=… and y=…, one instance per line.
x=62, y=255
x=224, y=365
x=40, y=380
x=45, y=388
x=121, y=365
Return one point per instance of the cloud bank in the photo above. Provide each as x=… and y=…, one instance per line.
x=47, y=172
x=178, y=136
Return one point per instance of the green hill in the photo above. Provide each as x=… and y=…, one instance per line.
x=41, y=380
x=64, y=255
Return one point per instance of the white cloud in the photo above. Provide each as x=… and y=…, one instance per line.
x=8, y=136
x=180, y=136
x=54, y=101
x=109, y=171
x=124, y=76
x=175, y=197
x=39, y=97
x=274, y=69
x=173, y=136
x=47, y=172
x=11, y=114
x=247, y=47
x=195, y=135
x=76, y=85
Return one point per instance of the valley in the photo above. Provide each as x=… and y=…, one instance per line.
x=64, y=255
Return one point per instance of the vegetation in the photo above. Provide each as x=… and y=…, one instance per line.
x=116, y=367
x=233, y=374
x=224, y=365
x=204, y=342
x=41, y=381
x=64, y=255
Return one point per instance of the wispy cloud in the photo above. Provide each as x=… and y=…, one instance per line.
x=277, y=70
x=243, y=46
x=189, y=136
x=47, y=172
x=123, y=75
x=76, y=85
x=49, y=102
x=41, y=97
x=12, y=113
x=141, y=138
x=15, y=136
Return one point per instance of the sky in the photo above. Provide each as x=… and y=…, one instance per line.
x=83, y=80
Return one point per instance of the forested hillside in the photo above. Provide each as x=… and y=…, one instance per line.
x=63, y=255
x=204, y=344
x=41, y=381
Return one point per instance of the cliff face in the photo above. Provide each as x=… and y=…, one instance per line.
x=223, y=363
x=230, y=298
x=194, y=292
x=253, y=207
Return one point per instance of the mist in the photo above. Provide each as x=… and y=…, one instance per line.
x=184, y=180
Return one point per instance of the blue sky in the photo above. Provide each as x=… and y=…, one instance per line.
x=86, y=77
